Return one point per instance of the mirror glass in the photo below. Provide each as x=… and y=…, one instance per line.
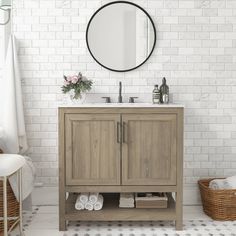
x=121, y=36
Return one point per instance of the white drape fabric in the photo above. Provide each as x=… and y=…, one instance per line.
x=11, y=103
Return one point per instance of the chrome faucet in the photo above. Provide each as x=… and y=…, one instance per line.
x=120, y=93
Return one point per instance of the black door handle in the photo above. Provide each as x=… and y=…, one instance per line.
x=118, y=132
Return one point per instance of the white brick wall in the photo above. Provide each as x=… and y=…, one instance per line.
x=195, y=51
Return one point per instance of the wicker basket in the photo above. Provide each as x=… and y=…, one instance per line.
x=218, y=204
x=12, y=204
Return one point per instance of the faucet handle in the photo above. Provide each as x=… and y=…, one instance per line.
x=131, y=99
x=107, y=99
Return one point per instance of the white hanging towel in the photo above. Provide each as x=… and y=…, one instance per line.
x=2, y=137
x=11, y=103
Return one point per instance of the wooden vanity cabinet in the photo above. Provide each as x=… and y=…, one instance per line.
x=149, y=149
x=112, y=150
x=92, y=150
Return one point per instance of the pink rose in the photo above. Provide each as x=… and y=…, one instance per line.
x=66, y=82
x=69, y=78
x=74, y=79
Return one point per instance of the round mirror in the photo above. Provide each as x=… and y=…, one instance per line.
x=121, y=36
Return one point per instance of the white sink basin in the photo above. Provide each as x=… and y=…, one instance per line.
x=122, y=105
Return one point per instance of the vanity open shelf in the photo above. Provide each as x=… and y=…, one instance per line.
x=112, y=212
x=120, y=148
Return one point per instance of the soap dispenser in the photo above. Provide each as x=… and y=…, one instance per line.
x=156, y=95
x=164, y=90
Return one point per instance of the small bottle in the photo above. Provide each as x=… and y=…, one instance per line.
x=164, y=90
x=156, y=95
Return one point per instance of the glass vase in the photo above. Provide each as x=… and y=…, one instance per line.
x=79, y=100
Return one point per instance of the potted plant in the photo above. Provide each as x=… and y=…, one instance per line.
x=77, y=86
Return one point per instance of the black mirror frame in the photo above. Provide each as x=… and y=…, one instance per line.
x=126, y=2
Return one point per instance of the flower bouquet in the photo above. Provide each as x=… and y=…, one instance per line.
x=77, y=84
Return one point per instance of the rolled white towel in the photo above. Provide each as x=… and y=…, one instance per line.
x=93, y=197
x=217, y=184
x=230, y=182
x=83, y=197
x=78, y=204
x=99, y=203
x=88, y=206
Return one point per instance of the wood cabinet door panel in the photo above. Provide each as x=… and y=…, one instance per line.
x=92, y=149
x=149, y=149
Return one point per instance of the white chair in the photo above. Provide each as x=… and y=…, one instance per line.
x=9, y=165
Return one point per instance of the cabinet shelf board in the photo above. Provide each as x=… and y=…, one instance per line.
x=112, y=212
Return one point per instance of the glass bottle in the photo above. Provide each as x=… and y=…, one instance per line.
x=164, y=90
x=156, y=95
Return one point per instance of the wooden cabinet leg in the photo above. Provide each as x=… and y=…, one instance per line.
x=62, y=225
x=179, y=225
x=62, y=210
x=179, y=211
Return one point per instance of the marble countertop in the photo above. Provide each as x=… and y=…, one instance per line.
x=122, y=105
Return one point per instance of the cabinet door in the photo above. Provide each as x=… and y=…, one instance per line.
x=149, y=149
x=92, y=149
